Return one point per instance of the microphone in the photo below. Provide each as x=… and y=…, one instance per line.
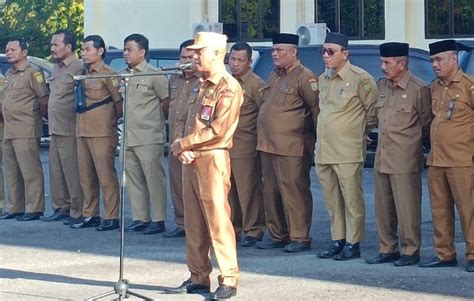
x=178, y=67
x=79, y=77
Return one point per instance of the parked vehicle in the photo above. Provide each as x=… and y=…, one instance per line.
x=466, y=56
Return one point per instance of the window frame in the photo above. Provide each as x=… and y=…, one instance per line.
x=361, y=17
x=451, y=33
x=259, y=23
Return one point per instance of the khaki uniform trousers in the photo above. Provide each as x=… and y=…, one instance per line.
x=24, y=173
x=398, y=205
x=287, y=197
x=2, y=184
x=146, y=182
x=176, y=189
x=206, y=184
x=341, y=185
x=246, y=197
x=65, y=188
x=96, y=156
x=449, y=187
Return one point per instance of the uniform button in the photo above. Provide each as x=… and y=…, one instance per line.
x=442, y=102
x=446, y=88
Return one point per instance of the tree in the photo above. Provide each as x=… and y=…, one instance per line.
x=37, y=20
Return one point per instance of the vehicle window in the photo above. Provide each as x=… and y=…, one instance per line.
x=117, y=64
x=163, y=62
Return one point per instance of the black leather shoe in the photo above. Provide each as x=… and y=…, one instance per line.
x=31, y=216
x=470, y=266
x=72, y=220
x=108, y=224
x=438, y=263
x=176, y=232
x=56, y=216
x=249, y=241
x=334, y=248
x=136, y=226
x=87, y=222
x=271, y=244
x=295, y=247
x=350, y=251
x=155, y=228
x=187, y=287
x=407, y=260
x=384, y=258
x=7, y=215
x=224, y=292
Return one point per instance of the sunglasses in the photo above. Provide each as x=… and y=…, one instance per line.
x=330, y=51
x=451, y=106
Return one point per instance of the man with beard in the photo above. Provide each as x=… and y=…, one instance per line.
x=347, y=98
x=66, y=192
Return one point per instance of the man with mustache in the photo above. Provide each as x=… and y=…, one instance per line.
x=450, y=172
x=404, y=115
x=347, y=98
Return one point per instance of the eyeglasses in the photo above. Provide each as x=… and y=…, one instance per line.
x=330, y=51
x=451, y=106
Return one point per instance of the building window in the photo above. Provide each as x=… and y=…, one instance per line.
x=250, y=20
x=449, y=18
x=357, y=19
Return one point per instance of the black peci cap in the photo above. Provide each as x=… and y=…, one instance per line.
x=393, y=49
x=442, y=46
x=286, y=38
x=337, y=38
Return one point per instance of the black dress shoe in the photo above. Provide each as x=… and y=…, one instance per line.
x=176, y=232
x=350, y=251
x=334, y=248
x=56, y=216
x=224, y=292
x=384, y=258
x=7, y=215
x=87, y=222
x=187, y=287
x=270, y=244
x=155, y=228
x=108, y=224
x=407, y=260
x=31, y=216
x=249, y=241
x=438, y=263
x=470, y=266
x=137, y=226
x=72, y=220
x=295, y=246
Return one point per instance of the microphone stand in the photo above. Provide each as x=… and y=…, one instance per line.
x=121, y=287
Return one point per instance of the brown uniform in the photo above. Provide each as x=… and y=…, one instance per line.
x=181, y=91
x=404, y=115
x=246, y=198
x=144, y=152
x=286, y=134
x=347, y=115
x=2, y=95
x=65, y=188
x=450, y=163
x=210, y=124
x=22, y=132
x=96, y=132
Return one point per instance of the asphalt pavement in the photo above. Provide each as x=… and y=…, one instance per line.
x=50, y=261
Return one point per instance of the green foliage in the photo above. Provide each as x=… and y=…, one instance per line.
x=37, y=20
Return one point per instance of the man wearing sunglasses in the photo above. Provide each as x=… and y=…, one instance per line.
x=286, y=130
x=404, y=115
x=450, y=160
x=347, y=98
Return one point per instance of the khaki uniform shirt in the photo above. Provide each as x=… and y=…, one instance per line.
x=61, y=103
x=452, y=140
x=347, y=103
x=2, y=93
x=245, y=136
x=100, y=121
x=212, y=118
x=145, y=117
x=20, y=107
x=181, y=91
x=288, y=116
x=404, y=115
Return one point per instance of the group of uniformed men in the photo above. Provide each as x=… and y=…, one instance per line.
x=242, y=148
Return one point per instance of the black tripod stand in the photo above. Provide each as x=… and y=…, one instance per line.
x=121, y=287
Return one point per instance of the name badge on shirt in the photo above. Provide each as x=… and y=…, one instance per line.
x=283, y=87
x=206, y=113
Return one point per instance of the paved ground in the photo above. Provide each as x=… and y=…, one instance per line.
x=49, y=261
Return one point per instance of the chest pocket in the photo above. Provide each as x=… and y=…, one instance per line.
x=145, y=88
x=403, y=113
x=344, y=98
x=206, y=109
x=289, y=97
x=173, y=92
x=94, y=90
